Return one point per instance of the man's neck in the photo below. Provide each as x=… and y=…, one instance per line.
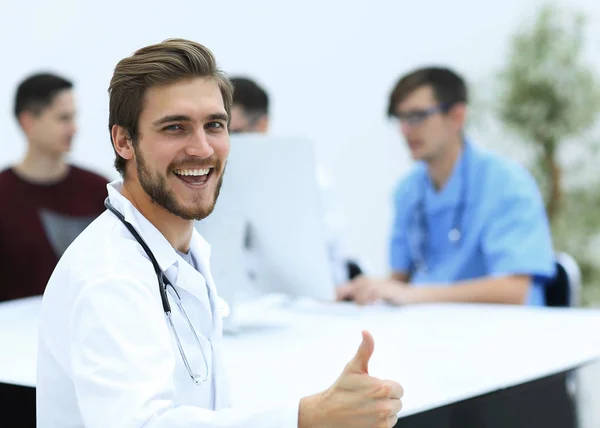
x=175, y=229
x=43, y=168
x=440, y=168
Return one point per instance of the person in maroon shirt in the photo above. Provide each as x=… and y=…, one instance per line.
x=44, y=201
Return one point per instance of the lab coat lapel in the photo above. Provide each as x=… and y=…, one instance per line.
x=201, y=250
x=192, y=281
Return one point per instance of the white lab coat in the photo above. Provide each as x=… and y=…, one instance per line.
x=106, y=355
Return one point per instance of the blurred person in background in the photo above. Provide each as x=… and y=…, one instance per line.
x=250, y=109
x=470, y=225
x=44, y=201
x=250, y=114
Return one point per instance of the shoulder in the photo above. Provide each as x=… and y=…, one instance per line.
x=10, y=187
x=410, y=183
x=103, y=250
x=7, y=177
x=86, y=176
x=504, y=174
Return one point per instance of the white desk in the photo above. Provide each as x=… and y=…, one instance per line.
x=440, y=353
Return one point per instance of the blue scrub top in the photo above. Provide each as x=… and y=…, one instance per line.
x=504, y=228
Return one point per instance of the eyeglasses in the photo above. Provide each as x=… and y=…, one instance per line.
x=416, y=117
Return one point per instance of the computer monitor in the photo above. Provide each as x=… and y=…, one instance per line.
x=267, y=231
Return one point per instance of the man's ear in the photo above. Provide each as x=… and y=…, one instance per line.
x=27, y=121
x=458, y=115
x=263, y=124
x=122, y=142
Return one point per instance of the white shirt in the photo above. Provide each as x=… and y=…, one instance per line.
x=106, y=355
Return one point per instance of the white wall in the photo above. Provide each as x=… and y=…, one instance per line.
x=327, y=64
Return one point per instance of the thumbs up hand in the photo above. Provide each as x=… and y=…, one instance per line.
x=355, y=399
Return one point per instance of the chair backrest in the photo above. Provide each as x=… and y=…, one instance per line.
x=564, y=289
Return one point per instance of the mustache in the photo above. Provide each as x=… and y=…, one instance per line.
x=192, y=163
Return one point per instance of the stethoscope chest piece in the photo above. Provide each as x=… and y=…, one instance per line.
x=454, y=235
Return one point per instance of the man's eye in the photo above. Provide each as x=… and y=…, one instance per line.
x=216, y=125
x=172, y=128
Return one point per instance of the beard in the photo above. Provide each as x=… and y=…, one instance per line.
x=155, y=185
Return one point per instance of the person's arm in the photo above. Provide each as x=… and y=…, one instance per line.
x=510, y=289
x=123, y=367
x=395, y=290
x=516, y=241
x=516, y=244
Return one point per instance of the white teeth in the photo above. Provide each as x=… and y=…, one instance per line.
x=195, y=172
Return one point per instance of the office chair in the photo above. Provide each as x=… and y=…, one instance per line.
x=564, y=290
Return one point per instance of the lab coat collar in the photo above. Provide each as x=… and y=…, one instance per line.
x=162, y=249
x=165, y=254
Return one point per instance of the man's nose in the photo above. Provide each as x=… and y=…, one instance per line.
x=199, y=146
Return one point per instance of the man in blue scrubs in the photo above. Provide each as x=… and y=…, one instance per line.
x=470, y=225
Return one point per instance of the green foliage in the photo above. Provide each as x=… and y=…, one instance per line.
x=547, y=95
x=547, y=92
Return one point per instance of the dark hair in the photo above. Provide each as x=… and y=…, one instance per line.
x=449, y=88
x=37, y=92
x=250, y=96
x=159, y=64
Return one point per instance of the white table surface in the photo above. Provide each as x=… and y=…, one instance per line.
x=440, y=353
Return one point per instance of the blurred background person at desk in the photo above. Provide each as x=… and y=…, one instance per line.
x=44, y=202
x=250, y=114
x=470, y=225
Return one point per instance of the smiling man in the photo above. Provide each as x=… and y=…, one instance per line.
x=130, y=327
x=470, y=225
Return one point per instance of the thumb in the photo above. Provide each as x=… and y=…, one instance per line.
x=360, y=362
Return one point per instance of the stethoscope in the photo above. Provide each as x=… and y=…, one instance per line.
x=163, y=283
x=455, y=232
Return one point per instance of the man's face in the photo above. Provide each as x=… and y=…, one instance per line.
x=52, y=130
x=424, y=125
x=243, y=122
x=182, y=147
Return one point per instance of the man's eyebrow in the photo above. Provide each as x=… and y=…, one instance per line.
x=171, y=118
x=218, y=116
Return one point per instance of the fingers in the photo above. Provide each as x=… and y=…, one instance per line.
x=348, y=290
x=396, y=390
x=385, y=389
x=366, y=295
x=392, y=408
x=362, y=290
x=345, y=292
x=388, y=412
x=396, y=406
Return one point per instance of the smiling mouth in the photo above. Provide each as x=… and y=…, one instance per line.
x=194, y=176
